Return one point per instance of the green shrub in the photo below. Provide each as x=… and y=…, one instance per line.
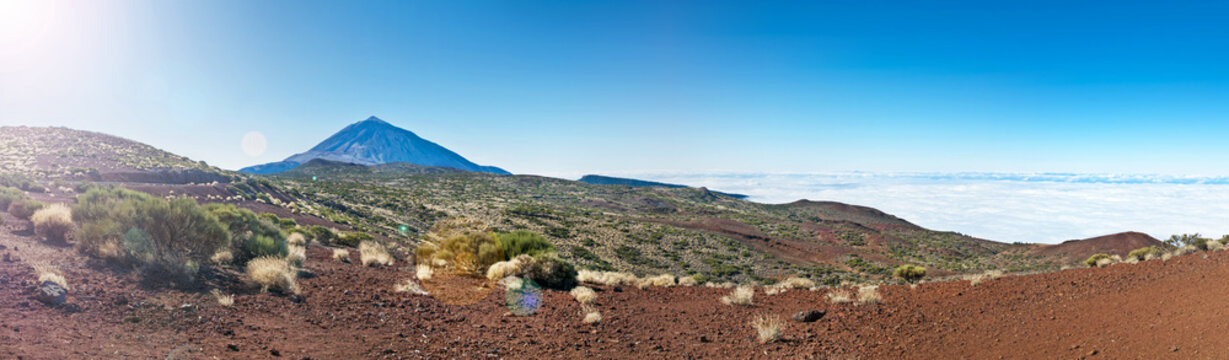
x=8, y=195
x=524, y=242
x=322, y=234
x=463, y=244
x=1142, y=253
x=910, y=273
x=23, y=209
x=1092, y=260
x=352, y=239
x=166, y=238
x=550, y=271
x=252, y=236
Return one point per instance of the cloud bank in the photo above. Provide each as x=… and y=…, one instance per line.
x=1042, y=208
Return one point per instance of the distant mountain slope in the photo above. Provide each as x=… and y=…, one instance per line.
x=609, y=180
x=322, y=167
x=374, y=141
x=1073, y=251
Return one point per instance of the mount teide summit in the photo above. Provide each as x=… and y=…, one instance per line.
x=374, y=141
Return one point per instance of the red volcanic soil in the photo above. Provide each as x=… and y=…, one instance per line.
x=1114, y=244
x=1155, y=309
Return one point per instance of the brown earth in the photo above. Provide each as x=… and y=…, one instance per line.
x=1155, y=309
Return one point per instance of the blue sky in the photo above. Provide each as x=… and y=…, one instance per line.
x=566, y=87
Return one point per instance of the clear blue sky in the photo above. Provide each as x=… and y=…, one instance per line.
x=570, y=87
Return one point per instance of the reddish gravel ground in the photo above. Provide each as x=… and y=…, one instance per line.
x=1156, y=309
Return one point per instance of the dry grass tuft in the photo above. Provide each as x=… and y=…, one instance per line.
x=296, y=239
x=773, y=290
x=424, y=272
x=48, y=273
x=724, y=285
x=796, y=283
x=408, y=285
x=663, y=280
x=296, y=254
x=688, y=281
x=222, y=257
x=272, y=272
x=868, y=295
x=341, y=255
x=371, y=253
x=584, y=295
x=223, y=299
x=53, y=223
x=504, y=269
x=740, y=296
x=592, y=317
x=768, y=327
x=839, y=297
x=608, y=278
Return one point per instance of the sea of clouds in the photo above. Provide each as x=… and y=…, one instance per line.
x=1038, y=208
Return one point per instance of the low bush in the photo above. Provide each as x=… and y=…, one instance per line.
x=24, y=209
x=167, y=238
x=741, y=295
x=663, y=280
x=549, y=271
x=462, y=244
x=371, y=253
x=424, y=272
x=53, y=223
x=322, y=234
x=296, y=255
x=8, y=195
x=592, y=317
x=408, y=285
x=524, y=242
x=688, y=281
x=1144, y=253
x=1092, y=260
x=796, y=283
x=504, y=269
x=225, y=300
x=273, y=273
x=251, y=236
x=353, y=239
x=296, y=239
x=910, y=273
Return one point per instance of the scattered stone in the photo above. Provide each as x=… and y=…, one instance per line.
x=274, y=352
x=306, y=274
x=50, y=293
x=617, y=289
x=704, y=339
x=809, y=316
x=296, y=299
x=120, y=300
x=1093, y=352
x=187, y=307
x=232, y=347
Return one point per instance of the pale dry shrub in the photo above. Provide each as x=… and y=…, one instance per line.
x=1103, y=262
x=371, y=253
x=592, y=317
x=583, y=295
x=767, y=327
x=868, y=295
x=1167, y=256
x=773, y=290
x=272, y=272
x=512, y=283
x=1215, y=246
x=740, y=296
x=296, y=239
x=53, y=223
x=48, y=273
x=1131, y=260
x=296, y=254
x=1151, y=256
x=975, y=279
x=839, y=296
x=503, y=269
x=341, y=255
x=663, y=280
x=222, y=257
x=796, y=283
x=409, y=286
x=608, y=278
x=424, y=272
x=688, y=281
x=226, y=300
x=724, y=285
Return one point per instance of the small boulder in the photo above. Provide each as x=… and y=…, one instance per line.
x=50, y=293
x=809, y=316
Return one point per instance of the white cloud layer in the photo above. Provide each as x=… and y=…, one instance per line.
x=1044, y=208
